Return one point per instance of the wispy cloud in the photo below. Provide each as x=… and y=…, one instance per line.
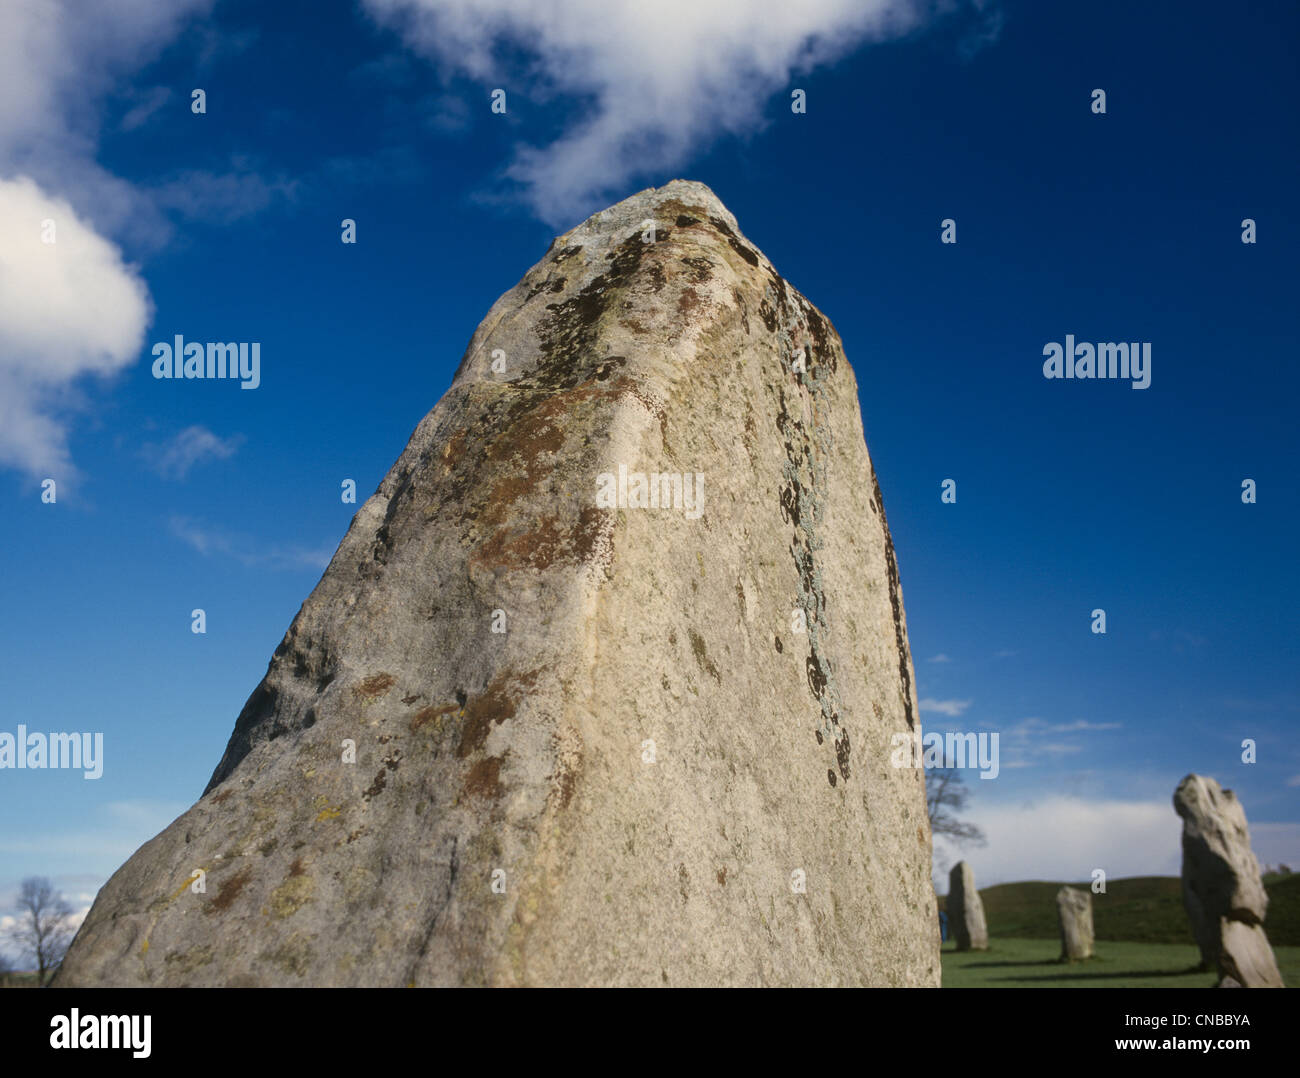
x=1081, y=725
x=655, y=82
x=146, y=103
x=221, y=197
x=247, y=551
x=173, y=459
x=1036, y=726
x=1025, y=744
x=951, y=708
x=940, y=658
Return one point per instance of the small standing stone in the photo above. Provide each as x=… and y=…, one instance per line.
x=1074, y=908
x=965, y=910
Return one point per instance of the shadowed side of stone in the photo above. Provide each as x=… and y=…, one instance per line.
x=599, y=687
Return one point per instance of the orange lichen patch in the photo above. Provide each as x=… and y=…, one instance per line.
x=520, y=459
x=547, y=542
x=492, y=707
x=484, y=779
x=375, y=686
x=593, y=525
x=431, y=714
x=219, y=798
x=230, y=890
x=539, y=428
x=536, y=548
x=505, y=494
x=566, y=781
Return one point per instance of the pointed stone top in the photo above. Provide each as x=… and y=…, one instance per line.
x=678, y=196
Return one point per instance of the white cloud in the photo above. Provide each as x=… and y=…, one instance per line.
x=220, y=197
x=940, y=658
x=658, y=80
x=67, y=309
x=1065, y=838
x=193, y=445
x=1082, y=724
x=1024, y=744
x=73, y=307
x=1034, y=726
x=58, y=61
x=208, y=541
x=951, y=708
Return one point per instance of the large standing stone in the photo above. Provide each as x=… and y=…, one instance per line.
x=965, y=910
x=1074, y=910
x=595, y=742
x=1222, y=889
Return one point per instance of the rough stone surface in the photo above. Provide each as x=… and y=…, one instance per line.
x=965, y=910
x=651, y=778
x=1074, y=910
x=1222, y=889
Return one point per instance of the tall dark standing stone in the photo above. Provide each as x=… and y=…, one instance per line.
x=655, y=774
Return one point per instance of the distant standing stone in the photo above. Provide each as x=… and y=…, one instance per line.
x=1074, y=908
x=965, y=910
x=1222, y=890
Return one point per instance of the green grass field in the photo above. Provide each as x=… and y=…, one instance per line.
x=1144, y=909
x=1143, y=937
x=1032, y=963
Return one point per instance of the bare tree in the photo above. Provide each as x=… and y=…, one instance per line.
x=945, y=795
x=44, y=927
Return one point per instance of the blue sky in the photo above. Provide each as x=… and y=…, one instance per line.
x=1070, y=495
